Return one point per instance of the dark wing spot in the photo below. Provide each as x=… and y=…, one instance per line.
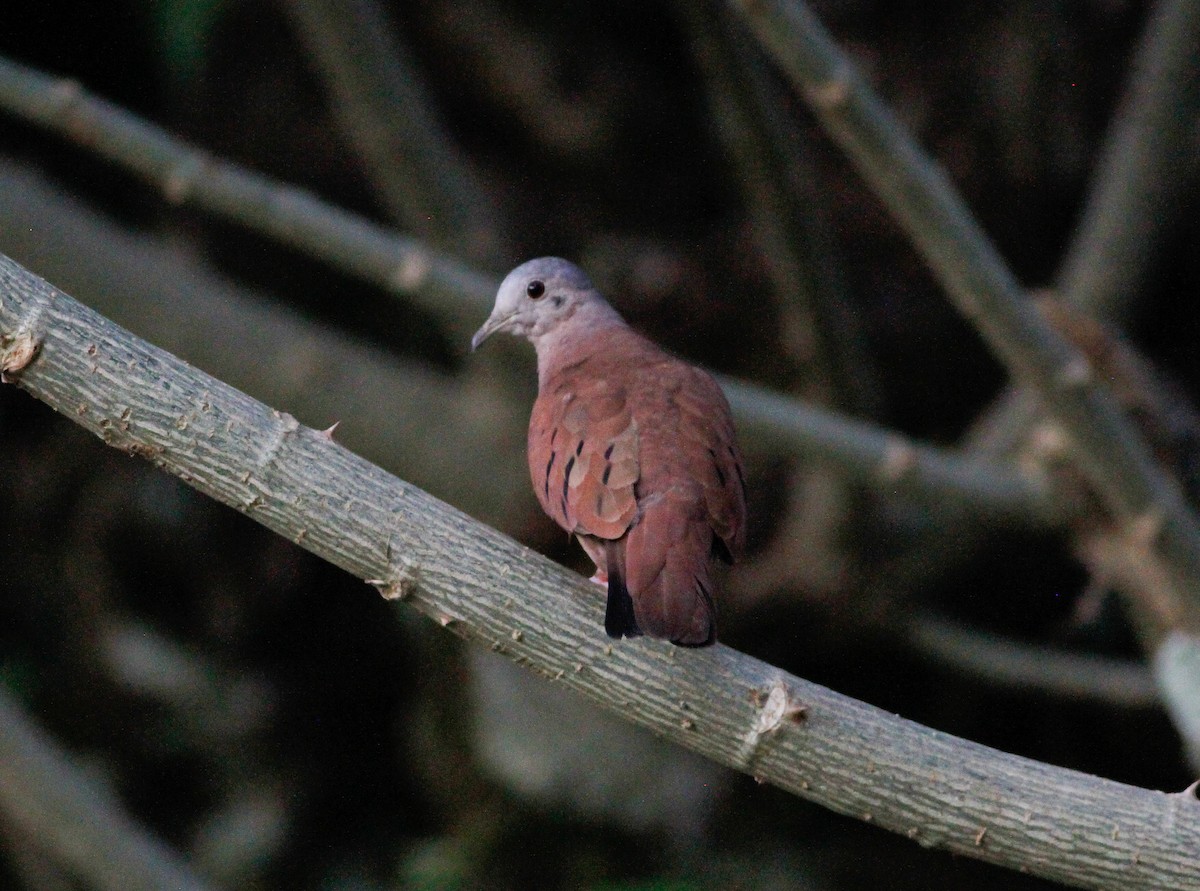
x=608, y=451
x=717, y=468
x=553, y=436
x=607, y=471
x=567, y=481
x=737, y=465
x=721, y=550
x=579, y=448
x=549, y=464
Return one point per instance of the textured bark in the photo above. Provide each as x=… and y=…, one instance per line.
x=846, y=755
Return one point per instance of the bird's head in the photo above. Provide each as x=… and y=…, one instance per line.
x=539, y=297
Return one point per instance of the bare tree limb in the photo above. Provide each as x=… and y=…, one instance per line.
x=71, y=817
x=1120, y=682
x=846, y=755
x=185, y=174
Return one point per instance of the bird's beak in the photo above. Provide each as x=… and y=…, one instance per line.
x=491, y=326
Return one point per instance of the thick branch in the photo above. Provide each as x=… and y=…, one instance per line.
x=843, y=754
x=1108, y=449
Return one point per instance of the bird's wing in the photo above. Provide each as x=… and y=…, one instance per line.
x=583, y=454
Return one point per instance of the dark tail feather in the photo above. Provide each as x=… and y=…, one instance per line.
x=619, y=620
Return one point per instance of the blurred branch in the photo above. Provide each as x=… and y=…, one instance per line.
x=767, y=153
x=1146, y=166
x=1108, y=449
x=70, y=817
x=513, y=65
x=393, y=409
x=846, y=755
x=443, y=284
x=187, y=175
x=893, y=463
x=376, y=95
x=1120, y=682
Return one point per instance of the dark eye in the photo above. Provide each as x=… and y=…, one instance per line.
x=535, y=289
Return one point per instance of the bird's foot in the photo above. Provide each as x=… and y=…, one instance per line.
x=600, y=578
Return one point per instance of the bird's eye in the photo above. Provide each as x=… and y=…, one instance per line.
x=535, y=289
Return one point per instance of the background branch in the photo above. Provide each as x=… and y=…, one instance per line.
x=377, y=96
x=70, y=817
x=840, y=753
x=1109, y=450
x=1145, y=170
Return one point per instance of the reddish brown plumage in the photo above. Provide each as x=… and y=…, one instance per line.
x=633, y=451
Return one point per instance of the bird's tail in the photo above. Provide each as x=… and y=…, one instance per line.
x=619, y=620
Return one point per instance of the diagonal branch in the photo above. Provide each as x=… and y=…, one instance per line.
x=1146, y=167
x=1109, y=450
x=376, y=96
x=74, y=820
x=188, y=175
x=848, y=756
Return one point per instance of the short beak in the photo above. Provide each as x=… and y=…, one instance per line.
x=490, y=327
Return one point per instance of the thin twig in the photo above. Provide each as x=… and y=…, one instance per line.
x=1109, y=450
x=72, y=819
x=846, y=755
x=377, y=97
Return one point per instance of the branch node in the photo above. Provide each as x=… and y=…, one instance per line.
x=777, y=707
x=65, y=93
x=18, y=351
x=833, y=92
x=1075, y=375
x=179, y=181
x=402, y=583
x=899, y=459
x=412, y=272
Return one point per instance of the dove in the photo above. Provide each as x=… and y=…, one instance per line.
x=631, y=449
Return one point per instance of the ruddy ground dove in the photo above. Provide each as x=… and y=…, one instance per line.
x=630, y=449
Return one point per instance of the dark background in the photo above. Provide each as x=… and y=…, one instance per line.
x=325, y=738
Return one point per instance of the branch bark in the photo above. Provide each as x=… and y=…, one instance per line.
x=848, y=756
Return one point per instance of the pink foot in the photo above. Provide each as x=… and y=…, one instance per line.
x=600, y=578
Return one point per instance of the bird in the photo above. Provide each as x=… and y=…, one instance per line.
x=631, y=449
